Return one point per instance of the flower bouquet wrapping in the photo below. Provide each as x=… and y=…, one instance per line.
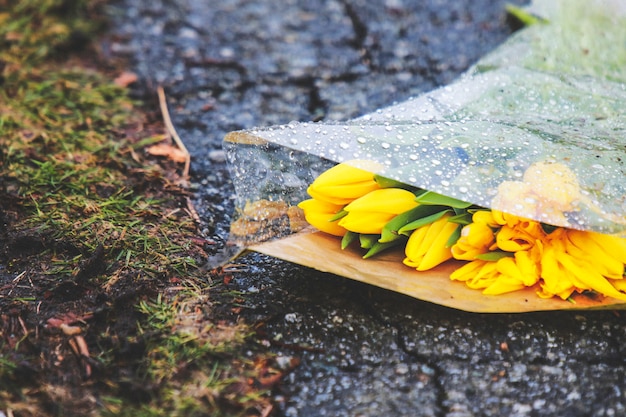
x=501, y=192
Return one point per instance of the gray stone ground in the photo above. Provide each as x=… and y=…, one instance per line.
x=364, y=351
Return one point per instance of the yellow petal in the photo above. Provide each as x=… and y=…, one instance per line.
x=467, y=271
x=486, y=276
x=342, y=184
x=613, y=245
x=476, y=239
x=412, y=248
x=554, y=184
x=385, y=200
x=591, y=278
x=476, y=274
x=426, y=247
x=555, y=281
x=318, y=213
x=580, y=245
x=502, y=285
x=341, y=194
x=512, y=239
x=363, y=222
x=438, y=253
x=515, y=273
x=528, y=265
x=369, y=213
x=486, y=217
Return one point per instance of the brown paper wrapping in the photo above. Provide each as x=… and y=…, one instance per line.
x=322, y=252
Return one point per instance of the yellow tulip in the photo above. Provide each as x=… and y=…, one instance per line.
x=343, y=183
x=582, y=246
x=591, y=278
x=426, y=247
x=563, y=272
x=520, y=237
x=546, y=192
x=614, y=246
x=476, y=239
x=369, y=213
x=506, y=219
x=477, y=274
x=318, y=213
x=515, y=273
x=486, y=217
x=553, y=183
x=555, y=280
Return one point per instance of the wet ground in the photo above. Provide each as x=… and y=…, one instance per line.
x=363, y=351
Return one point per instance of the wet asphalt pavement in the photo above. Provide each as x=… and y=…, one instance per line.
x=237, y=64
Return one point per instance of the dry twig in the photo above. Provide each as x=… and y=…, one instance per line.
x=172, y=131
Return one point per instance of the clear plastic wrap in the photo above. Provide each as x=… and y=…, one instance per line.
x=553, y=95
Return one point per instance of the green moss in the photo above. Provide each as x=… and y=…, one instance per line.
x=75, y=177
x=32, y=31
x=66, y=160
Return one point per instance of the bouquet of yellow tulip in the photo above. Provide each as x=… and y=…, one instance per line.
x=503, y=252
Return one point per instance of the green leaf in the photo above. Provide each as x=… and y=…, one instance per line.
x=379, y=247
x=432, y=198
x=348, y=238
x=526, y=18
x=454, y=236
x=494, y=256
x=462, y=218
x=390, y=231
x=339, y=215
x=368, y=241
x=421, y=222
x=385, y=182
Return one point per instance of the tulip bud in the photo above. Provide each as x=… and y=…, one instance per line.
x=476, y=239
x=427, y=246
x=343, y=183
x=319, y=214
x=369, y=213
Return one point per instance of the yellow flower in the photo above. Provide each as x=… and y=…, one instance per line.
x=487, y=217
x=553, y=183
x=426, y=247
x=343, y=183
x=476, y=239
x=562, y=262
x=522, y=236
x=563, y=272
x=318, y=213
x=501, y=218
x=546, y=192
x=369, y=213
x=477, y=274
x=582, y=245
x=514, y=273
